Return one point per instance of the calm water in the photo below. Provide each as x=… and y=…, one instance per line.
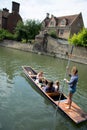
x=24, y=108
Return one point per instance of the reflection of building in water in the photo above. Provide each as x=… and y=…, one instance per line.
x=9, y=20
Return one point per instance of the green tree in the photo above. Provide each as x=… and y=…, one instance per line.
x=21, y=31
x=80, y=39
x=33, y=28
x=28, y=30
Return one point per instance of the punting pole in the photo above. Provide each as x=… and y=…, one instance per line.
x=68, y=64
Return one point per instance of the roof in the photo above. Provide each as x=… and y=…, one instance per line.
x=69, y=19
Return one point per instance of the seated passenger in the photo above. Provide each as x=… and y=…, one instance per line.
x=44, y=82
x=56, y=85
x=39, y=77
x=49, y=88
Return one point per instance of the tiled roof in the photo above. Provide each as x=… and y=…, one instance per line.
x=70, y=19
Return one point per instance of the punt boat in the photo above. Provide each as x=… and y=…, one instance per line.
x=58, y=99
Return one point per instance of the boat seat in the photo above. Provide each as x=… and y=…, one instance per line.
x=53, y=94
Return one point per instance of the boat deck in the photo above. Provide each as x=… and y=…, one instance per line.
x=75, y=113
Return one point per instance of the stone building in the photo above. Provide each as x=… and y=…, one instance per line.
x=8, y=20
x=64, y=26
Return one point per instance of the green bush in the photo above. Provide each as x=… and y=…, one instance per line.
x=23, y=41
x=1, y=37
x=4, y=34
x=53, y=34
x=1, y=34
x=80, y=39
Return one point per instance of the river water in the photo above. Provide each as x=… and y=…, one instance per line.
x=24, y=108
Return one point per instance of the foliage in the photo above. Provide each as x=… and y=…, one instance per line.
x=53, y=34
x=28, y=30
x=33, y=28
x=1, y=35
x=23, y=41
x=80, y=39
x=21, y=32
x=4, y=34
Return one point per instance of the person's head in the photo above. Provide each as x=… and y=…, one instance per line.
x=57, y=83
x=41, y=73
x=50, y=84
x=74, y=70
x=45, y=81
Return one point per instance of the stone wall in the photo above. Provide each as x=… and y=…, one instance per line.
x=54, y=48
x=63, y=49
x=17, y=45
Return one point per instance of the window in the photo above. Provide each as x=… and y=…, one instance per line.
x=61, y=31
x=63, y=22
x=51, y=23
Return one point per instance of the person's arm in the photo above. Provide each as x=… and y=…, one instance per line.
x=69, y=82
x=32, y=75
x=68, y=71
x=66, y=80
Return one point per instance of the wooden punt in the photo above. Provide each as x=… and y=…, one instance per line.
x=76, y=114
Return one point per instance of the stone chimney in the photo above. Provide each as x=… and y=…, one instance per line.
x=5, y=12
x=52, y=15
x=15, y=7
x=47, y=15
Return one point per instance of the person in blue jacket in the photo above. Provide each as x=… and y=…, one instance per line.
x=49, y=87
x=72, y=84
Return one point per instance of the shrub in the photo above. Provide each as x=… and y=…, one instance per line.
x=53, y=34
x=4, y=34
x=23, y=40
x=80, y=39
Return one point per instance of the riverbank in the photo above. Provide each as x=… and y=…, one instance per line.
x=65, y=49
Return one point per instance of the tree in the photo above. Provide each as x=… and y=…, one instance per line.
x=80, y=39
x=28, y=30
x=33, y=28
x=21, y=31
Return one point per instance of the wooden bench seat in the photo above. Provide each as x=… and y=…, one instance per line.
x=53, y=94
